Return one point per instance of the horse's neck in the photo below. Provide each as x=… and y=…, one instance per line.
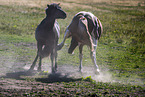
x=49, y=22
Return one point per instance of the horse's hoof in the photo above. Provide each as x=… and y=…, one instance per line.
x=55, y=68
x=97, y=72
x=39, y=70
x=30, y=70
x=59, y=46
x=53, y=71
x=80, y=71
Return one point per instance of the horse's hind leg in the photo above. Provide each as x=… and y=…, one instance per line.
x=52, y=62
x=34, y=63
x=66, y=35
x=55, y=60
x=93, y=57
x=81, y=57
x=39, y=46
x=39, y=67
x=40, y=54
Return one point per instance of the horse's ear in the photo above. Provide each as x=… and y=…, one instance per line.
x=47, y=5
x=58, y=4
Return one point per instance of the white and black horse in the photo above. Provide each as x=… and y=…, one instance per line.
x=85, y=29
x=47, y=35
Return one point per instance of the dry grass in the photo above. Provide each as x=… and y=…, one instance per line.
x=78, y=4
x=31, y=3
x=72, y=3
x=116, y=2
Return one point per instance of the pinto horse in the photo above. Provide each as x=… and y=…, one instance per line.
x=85, y=29
x=47, y=35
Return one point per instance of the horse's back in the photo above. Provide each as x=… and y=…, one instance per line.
x=44, y=34
x=79, y=29
x=85, y=25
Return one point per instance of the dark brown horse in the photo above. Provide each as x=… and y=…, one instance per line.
x=85, y=29
x=47, y=35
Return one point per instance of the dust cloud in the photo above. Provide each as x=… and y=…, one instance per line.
x=88, y=71
x=7, y=63
x=72, y=71
x=104, y=76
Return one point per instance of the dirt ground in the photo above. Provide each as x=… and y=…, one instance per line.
x=66, y=82
x=33, y=83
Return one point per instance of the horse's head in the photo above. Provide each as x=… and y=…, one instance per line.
x=55, y=11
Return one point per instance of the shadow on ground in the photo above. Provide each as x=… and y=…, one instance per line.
x=57, y=77
x=17, y=75
x=52, y=77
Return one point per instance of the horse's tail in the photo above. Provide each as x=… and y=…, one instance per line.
x=98, y=30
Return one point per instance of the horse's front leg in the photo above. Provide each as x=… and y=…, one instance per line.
x=80, y=57
x=39, y=65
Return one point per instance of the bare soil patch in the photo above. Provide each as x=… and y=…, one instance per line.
x=66, y=82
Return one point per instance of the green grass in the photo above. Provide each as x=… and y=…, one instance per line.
x=120, y=49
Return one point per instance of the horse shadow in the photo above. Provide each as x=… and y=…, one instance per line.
x=52, y=77
x=58, y=77
x=17, y=75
